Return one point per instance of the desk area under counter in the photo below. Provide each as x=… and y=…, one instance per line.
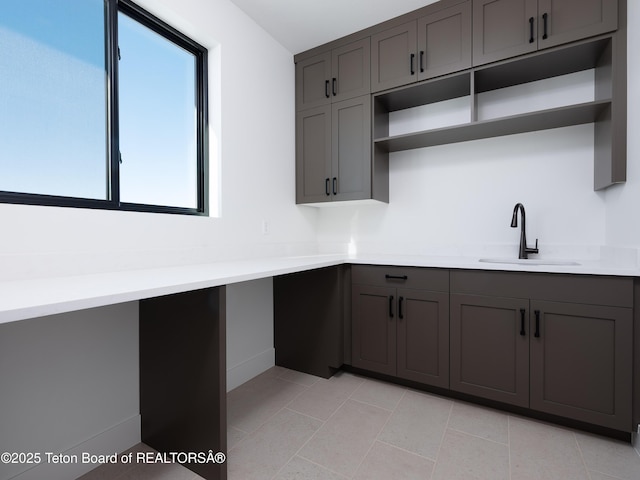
x=160, y=297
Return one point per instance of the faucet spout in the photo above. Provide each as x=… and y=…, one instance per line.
x=523, y=251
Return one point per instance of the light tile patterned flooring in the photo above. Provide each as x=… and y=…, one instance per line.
x=286, y=425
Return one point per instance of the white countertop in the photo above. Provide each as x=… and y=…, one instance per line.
x=32, y=298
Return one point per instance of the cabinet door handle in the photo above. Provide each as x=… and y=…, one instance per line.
x=326, y=89
x=326, y=187
x=391, y=306
x=531, y=39
x=395, y=277
x=522, y=314
x=421, y=61
x=537, y=334
x=545, y=18
x=335, y=185
x=412, y=59
x=400, y=314
x=334, y=85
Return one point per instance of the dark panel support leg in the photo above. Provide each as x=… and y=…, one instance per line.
x=183, y=376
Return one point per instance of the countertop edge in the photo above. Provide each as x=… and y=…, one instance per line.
x=24, y=299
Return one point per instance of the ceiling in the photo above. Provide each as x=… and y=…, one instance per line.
x=302, y=24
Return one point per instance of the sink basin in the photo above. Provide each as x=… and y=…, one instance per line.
x=528, y=261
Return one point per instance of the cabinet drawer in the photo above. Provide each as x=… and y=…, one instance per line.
x=587, y=289
x=405, y=277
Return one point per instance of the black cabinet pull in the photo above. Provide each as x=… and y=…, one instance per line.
x=522, y=314
x=395, y=277
x=545, y=18
x=335, y=185
x=334, y=86
x=326, y=89
x=412, y=59
x=326, y=187
x=537, y=334
x=421, y=61
x=400, y=314
x=531, y=39
x=391, y=306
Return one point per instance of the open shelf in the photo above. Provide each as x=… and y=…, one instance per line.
x=605, y=55
x=522, y=123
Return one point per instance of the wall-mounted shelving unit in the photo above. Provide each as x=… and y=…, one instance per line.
x=596, y=54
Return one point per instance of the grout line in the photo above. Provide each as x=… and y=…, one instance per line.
x=324, y=422
x=381, y=429
x=584, y=464
x=509, y=445
x=478, y=437
x=444, y=433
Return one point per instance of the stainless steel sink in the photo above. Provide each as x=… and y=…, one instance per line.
x=528, y=261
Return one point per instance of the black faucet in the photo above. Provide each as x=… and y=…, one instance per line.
x=524, y=250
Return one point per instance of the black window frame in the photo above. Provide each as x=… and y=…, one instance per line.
x=112, y=202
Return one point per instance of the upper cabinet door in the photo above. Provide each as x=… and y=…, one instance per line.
x=313, y=78
x=313, y=155
x=393, y=57
x=351, y=70
x=503, y=29
x=351, y=149
x=444, y=41
x=562, y=21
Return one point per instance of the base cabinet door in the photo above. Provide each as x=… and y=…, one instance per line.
x=580, y=364
x=374, y=329
x=423, y=337
x=490, y=347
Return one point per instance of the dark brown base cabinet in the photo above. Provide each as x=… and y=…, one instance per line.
x=400, y=323
x=308, y=320
x=557, y=344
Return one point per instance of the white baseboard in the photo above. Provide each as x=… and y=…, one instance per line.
x=115, y=440
x=254, y=366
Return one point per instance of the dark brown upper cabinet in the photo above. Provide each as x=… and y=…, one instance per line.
x=333, y=76
x=333, y=152
x=507, y=28
x=432, y=45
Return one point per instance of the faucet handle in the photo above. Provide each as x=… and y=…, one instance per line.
x=532, y=250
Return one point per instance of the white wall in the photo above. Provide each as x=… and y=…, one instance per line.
x=250, y=349
x=70, y=384
x=458, y=199
x=623, y=220
x=252, y=108
x=252, y=92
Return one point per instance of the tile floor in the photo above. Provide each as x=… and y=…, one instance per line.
x=286, y=425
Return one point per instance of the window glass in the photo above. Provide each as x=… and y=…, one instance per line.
x=157, y=118
x=53, y=98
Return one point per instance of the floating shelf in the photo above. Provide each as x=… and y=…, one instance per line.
x=513, y=124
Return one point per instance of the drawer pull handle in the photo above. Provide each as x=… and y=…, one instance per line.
x=400, y=314
x=326, y=89
x=537, y=334
x=545, y=18
x=531, y=39
x=391, y=306
x=412, y=59
x=395, y=277
x=522, y=313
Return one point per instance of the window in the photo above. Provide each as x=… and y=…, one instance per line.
x=102, y=105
